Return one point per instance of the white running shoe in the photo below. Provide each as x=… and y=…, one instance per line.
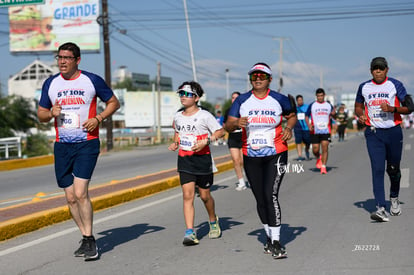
x=395, y=209
x=241, y=187
x=381, y=215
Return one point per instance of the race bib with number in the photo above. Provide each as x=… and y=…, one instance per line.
x=187, y=142
x=301, y=116
x=69, y=120
x=322, y=125
x=258, y=140
x=378, y=115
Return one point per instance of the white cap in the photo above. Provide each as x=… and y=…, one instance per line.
x=260, y=68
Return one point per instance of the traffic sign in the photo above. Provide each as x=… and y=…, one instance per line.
x=8, y=3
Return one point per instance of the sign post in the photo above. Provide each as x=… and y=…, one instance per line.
x=8, y=3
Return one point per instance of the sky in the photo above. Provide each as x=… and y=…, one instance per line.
x=325, y=43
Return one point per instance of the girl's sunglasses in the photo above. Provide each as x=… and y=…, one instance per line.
x=186, y=94
x=254, y=77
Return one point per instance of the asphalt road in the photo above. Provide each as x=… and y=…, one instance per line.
x=22, y=185
x=325, y=226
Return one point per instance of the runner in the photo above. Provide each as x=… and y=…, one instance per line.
x=69, y=98
x=342, y=121
x=301, y=130
x=195, y=129
x=318, y=116
x=259, y=113
x=235, y=146
x=378, y=104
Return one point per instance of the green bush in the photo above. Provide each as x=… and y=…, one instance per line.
x=37, y=145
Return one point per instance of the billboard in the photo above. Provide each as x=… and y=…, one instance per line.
x=141, y=108
x=43, y=28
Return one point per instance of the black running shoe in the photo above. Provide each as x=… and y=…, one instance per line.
x=268, y=247
x=279, y=252
x=91, y=249
x=80, y=252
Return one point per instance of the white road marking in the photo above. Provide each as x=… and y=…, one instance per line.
x=411, y=136
x=98, y=221
x=405, y=178
x=407, y=147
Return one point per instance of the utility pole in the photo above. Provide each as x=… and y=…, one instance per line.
x=104, y=22
x=227, y=84
x=280, y=61
x=158, y=102
x=190, y=43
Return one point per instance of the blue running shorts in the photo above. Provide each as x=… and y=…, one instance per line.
x=75, y=160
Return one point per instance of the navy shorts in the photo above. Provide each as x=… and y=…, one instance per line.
x=75, y=160
x=302, y=136
x=202, y=181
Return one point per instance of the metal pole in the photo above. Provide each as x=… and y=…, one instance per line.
x=227, y=84
x=190, y=43
x=159, y=102
x=280, y=61
x=107, y=53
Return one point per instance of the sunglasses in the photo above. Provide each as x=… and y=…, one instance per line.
x=254, y=77
x=186, y=94
x=66, y=58
x=378, y=67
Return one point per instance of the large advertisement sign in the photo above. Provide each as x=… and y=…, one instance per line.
x=43, y=28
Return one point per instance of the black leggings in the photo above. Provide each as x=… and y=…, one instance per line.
x=265, y=175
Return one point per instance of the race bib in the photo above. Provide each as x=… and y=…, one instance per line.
x=69, y=120
x=322, y=125
x=301, y=116
x=187, y=141
x=258, y=140
x=378, y=115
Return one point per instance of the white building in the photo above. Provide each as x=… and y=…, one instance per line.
x=28, y=82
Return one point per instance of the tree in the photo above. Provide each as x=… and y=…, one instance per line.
x=125, y=84
x=16, y=114
x=208, y=106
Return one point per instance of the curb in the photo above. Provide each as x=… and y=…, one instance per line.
x=25, y=224
x=28, y=223
x=6, y=165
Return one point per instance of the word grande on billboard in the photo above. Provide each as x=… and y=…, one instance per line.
x=76, y=11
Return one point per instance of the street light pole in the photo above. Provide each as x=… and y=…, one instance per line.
x=190, y=43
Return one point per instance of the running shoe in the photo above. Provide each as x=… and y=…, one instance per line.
x=215, y=230
x=278, y=252
x=241, y=187
x=80, y=252
x=319, y=162
x=381, y=215
x=323, y=170
x=268, y=247
x=91, y=249
x=395, y=209
x=190, y=238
